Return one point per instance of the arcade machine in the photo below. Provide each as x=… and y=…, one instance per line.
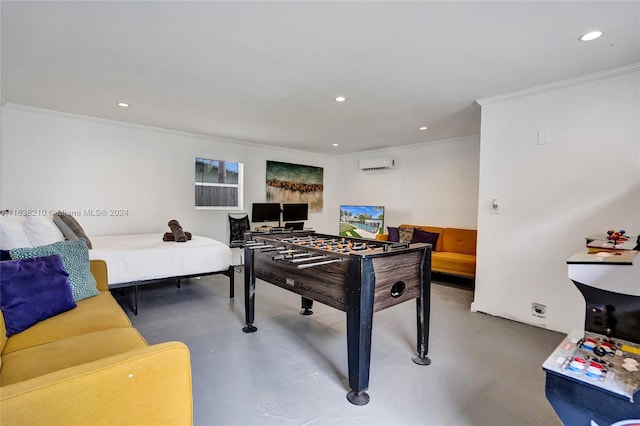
x=593, y=376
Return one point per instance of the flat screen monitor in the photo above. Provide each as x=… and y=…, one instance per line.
x=296, y=211
x=361, y=221
x=265, y=212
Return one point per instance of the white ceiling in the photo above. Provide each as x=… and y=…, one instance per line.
x=268, y=72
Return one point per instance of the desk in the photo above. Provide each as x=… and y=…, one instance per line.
x=356, y=276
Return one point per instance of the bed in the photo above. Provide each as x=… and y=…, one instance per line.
x=140, y=259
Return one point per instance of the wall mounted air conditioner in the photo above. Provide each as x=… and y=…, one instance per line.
x=377, y=163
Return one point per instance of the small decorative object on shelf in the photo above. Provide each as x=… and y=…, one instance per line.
x=612, y=240
x=615, y=236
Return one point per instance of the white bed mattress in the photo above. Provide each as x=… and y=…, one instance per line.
x=140, y=257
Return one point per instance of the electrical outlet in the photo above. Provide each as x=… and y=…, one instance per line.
x=495, y=206
x=543, y=137
x=538, y=310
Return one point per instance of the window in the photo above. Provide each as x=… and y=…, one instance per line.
x=218, y=184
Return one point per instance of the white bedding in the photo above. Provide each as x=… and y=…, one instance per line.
x=140, y=257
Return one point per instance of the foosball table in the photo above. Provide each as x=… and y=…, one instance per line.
x=356, y=276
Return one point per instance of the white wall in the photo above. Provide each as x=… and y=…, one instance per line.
x=585, y=181
x=58, y=161
x=432, y=184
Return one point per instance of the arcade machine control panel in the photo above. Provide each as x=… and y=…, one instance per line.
x=611, y=365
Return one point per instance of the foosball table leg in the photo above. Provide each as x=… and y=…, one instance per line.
x=423, y=332
x=423, y=312
x=249, y=292
x=307, y=304
x=360, y=285
x=358, y=398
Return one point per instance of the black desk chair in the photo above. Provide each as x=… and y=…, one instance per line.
x=238, y=227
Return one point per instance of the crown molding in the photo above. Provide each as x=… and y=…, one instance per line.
x=227, y=140
x=391, y=150
x=586, y=78
x=211, y=138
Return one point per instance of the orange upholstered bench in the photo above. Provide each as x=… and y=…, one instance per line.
x=454, y=252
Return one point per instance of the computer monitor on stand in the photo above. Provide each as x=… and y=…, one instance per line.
x=294, y=215
x=265, y=212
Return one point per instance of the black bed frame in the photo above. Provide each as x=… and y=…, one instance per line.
x=135, y=284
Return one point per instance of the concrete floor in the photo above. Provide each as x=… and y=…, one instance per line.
x=293, y=370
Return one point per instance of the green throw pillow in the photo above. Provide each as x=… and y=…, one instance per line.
x=75, y=258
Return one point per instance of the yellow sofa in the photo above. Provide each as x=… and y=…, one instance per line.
x=455, y=251
x=89, y=366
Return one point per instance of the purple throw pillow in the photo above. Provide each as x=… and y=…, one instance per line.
x=4, y=255
x=394, y=234
x=32, y=290
x=420, y=236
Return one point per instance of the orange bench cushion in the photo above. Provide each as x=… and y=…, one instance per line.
x=70, y=352
x=459, y=240
x=95, y=313
x=455, y=252
x=454, y=263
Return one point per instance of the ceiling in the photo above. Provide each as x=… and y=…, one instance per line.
x=269, y=72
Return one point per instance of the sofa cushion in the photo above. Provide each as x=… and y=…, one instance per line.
x=406, y=234
x=420, y=236
x=98, y=269
x=145, y=386
x=3, y=339
x=454, y=263
x=92, y=314
x=459, y=240
x=75, y=257
x=32, y=290
x=394, y=235
x=433, y=229
x=46, y=358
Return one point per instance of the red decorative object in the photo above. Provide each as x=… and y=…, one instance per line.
x=615, y=236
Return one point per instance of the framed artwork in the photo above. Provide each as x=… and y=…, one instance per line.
x=218, y=184
x=295, y=183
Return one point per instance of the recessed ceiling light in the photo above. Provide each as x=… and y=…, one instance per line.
x=341, y=99
x=335, y=144
x=123, y=104
x=423, y=128
x=590, y=36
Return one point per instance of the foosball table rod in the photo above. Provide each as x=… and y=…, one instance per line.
x=326, y=262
